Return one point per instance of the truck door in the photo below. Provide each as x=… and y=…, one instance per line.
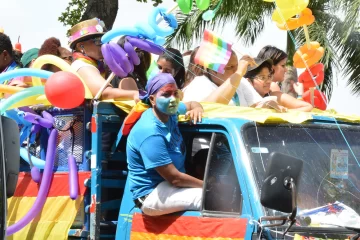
x=209, y=158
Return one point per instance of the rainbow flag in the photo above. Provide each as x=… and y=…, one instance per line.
x=171, y=227
x=59, y=211
x=214, y=53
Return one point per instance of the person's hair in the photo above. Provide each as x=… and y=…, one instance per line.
x=139, y=73
x=252, y=74
x=275, y=54
x=174, y=56
x=6, y=45
x=50, y=46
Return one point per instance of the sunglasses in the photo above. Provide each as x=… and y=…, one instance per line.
x=97, y=41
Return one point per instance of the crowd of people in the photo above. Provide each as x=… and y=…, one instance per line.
x=157, y=175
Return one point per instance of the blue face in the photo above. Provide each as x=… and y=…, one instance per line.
x=167, y=99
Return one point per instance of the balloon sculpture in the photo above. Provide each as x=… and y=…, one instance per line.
x=308, y=55
x=147, y=37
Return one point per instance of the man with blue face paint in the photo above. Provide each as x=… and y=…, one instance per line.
x=156, y=152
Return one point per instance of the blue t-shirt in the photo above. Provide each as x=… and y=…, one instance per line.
x=152, y=143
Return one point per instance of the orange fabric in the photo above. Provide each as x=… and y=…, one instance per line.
x=133, y=117
x=201, y=227
x=26, y=187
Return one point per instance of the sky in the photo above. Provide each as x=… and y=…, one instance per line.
x=37, y=20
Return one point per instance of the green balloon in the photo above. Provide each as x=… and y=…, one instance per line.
x=185, y=5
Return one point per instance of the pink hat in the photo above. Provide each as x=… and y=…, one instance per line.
x=85, y=30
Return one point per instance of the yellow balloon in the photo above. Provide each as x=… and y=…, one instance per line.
x=1, y=30
x=269, y=0
x=30, y=101
x=285, y=9
x=60, y=63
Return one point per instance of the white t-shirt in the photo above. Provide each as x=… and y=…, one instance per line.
x=77, y=64
x=201, y=87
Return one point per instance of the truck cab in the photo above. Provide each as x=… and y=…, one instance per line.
x=232, y=150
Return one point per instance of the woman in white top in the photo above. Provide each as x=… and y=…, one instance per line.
x=228, y=88
x=85, y=41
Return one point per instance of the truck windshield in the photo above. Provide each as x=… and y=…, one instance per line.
x=329, y=189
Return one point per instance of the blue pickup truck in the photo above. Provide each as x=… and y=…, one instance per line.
x=266, y=176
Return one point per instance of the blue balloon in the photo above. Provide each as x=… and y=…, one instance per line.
x=35, y=161
x=150, y=30
x=169, y=18
x=24, y=72
x=117, y=32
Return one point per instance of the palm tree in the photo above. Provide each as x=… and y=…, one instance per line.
x=339, y=36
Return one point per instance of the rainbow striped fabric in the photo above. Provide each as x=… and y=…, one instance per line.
x=171, y=227
x=214, y=53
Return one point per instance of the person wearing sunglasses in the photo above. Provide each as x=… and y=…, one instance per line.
x=260, y=76
x=85, y=41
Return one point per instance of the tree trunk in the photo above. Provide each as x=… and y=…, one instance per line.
x=105, y=10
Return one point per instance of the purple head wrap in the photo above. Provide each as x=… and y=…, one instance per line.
x=156, y=83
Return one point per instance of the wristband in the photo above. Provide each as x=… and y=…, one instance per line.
x=299, y=97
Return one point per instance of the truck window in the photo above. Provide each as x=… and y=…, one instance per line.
x=331, y=171
x=221, y=191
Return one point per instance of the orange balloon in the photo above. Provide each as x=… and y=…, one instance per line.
x=308, y=57
x=305, y=18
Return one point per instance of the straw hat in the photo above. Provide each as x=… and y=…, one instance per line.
x=86, y=30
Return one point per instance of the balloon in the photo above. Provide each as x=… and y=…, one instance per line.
x=134, y=58
x=60, y=63
x=112, y=51
x=35, y=174
x=305, y=18
x=44, y=187
x=317, y=71
x=36, y=119
x=73, y=178
x=28, y=92
x=286, y=9
x=170, y=19
x=186, y=5
x=309, y=56
x=150, y=31
x=318, y=99
x=124, y=31
x=48, y=116
x=10, y=89
x=30, y=101
x=37, y=162
x=145, y=45
x=24, y=72
x=65, y=90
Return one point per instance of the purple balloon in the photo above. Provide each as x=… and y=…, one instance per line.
x=45, y=122
x=73, y=178
x=35, y=128
x=35, y=174
x=146, y=45
x=134, y=58
x=30, y=117
x=48, y=116
x=120, y=56
x=44, y=187
x=115, y=67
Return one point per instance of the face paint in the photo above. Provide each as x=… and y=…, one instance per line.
x=168, y=106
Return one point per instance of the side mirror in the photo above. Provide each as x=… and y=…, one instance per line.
x=10, y=152
x=276, y=191
x=279, y=190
